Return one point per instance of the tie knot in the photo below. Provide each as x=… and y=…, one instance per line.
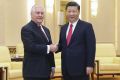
x=40, y=26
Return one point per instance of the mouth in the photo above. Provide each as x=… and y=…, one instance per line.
x=71, y=18
x=40, y=18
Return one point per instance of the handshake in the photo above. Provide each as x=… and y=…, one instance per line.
x=53, y=47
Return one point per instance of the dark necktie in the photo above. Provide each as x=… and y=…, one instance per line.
x=44, y=34
x=69, y=34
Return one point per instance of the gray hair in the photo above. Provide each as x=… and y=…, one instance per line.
x=36, y=6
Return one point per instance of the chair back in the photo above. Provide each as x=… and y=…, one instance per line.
x=20, y=49
x=4, y=54
x=105, y=50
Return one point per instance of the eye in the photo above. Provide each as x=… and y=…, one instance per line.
x=42, y=13
x=37, y=12
x=73, y=11
x=68, y=11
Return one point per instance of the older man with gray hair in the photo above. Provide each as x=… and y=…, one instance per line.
x=38, y=61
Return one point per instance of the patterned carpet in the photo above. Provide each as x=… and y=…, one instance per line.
x=109, y=78
x=101, y=78
x=105, y=78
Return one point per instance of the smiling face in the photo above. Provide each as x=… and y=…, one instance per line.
x=72, y=13
x=37, y=14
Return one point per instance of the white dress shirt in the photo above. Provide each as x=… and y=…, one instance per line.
x=73, y=28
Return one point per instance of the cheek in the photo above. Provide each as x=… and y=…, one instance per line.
x=68, y=15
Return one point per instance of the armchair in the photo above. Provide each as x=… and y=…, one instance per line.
x=19, y=49
x=107, y=63
x=14, y=68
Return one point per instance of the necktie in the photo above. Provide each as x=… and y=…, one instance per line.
x=69, y=34
x=43, y=32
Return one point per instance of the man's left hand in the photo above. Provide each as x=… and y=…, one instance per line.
x=52, y=72
x=89, y=70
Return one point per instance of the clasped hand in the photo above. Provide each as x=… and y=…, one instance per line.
x=53, y=47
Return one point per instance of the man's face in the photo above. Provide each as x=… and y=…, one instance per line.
x=72, y=13
x=37, y=15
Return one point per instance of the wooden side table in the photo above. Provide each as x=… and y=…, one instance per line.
x=17, y=59
x=3, y=73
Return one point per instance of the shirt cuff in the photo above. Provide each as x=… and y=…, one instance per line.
x=53, y=68
x=48, y=49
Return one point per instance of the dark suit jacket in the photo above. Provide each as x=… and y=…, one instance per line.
x=80, y=52
x=37, y=63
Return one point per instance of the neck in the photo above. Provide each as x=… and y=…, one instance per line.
x=38, y=23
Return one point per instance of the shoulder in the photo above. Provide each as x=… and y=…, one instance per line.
x=84, y=22
x=64, y=26
x=27, y=27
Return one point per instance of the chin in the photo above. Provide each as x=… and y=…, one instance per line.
x=39, y=21
x=71, y=21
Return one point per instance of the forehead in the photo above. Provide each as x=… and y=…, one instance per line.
x=72, y=8
x=37, y=9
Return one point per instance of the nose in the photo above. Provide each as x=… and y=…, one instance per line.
x=40, y=14
x=71, y=13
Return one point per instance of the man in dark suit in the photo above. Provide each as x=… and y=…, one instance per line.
x=77, y=45
x=38, y=61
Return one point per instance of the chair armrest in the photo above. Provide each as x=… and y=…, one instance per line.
x=116, y=60
x=16, y=65
x=97, y=65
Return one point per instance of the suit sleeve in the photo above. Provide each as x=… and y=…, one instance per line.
x=91, y=45
x=60, y=42
x=52, y=59
x=30, y=44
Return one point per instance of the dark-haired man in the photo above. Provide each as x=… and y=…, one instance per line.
x=77, y=45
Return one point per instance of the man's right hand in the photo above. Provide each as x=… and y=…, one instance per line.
x=53, y=47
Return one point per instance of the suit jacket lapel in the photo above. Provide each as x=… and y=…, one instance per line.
x=39, y=32
x=47, y=34
x=65, y=31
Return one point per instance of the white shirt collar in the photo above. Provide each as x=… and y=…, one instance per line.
x=73, y=28
x=74, y=23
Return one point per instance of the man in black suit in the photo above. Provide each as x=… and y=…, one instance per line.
x=38, y=61
x=77, y=45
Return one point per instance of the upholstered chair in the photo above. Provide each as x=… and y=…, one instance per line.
x=14, y=68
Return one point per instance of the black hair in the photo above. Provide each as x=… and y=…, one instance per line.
x=72, y=3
